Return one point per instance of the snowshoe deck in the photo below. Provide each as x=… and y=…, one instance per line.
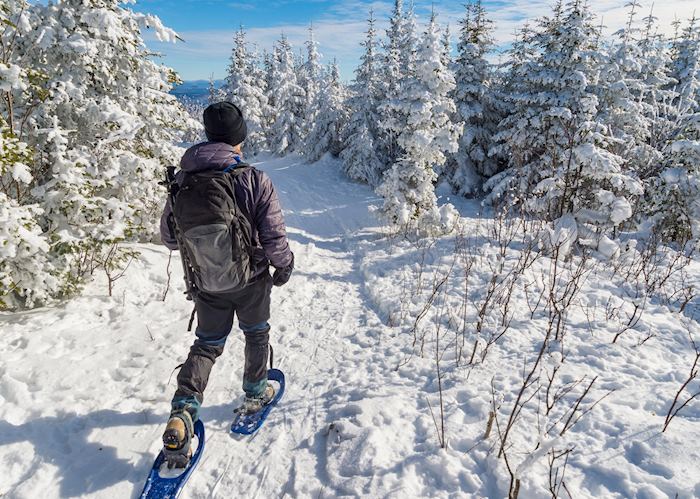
x=247, y=424
x=163, y=487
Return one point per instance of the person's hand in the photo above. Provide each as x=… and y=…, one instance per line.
x=281, y=276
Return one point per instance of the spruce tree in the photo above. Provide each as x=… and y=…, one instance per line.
x=407, y=188
x=622, y=91
x=290, y=99
x=660, y=99
x=360, y=156
x=215, y=94
x=563, y=163
x=675, y=193
x=475, y=107
x=326, y=135
x=311, y=80
x=100, y=133
x=392, y=75
x=245, y=90
x=685, y=68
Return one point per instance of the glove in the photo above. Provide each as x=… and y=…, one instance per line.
x=281, y=276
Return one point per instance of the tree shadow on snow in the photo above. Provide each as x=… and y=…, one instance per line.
x=85, y=465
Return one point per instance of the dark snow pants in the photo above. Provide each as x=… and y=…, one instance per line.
x=215, y=319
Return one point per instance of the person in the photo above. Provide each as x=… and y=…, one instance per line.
x=258, y=202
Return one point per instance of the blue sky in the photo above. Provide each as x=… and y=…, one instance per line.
x=207, y=26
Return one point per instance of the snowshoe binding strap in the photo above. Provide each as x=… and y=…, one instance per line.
x=177, y=440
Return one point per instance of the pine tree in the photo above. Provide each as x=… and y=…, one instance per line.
x=215, y=94
x=661, y=88
x=685, y=69
x=407, y=188
x=474, y=99
x=326, y=135
x=360, y=157
x=245, y=90
x=622, y=91
x=290, y=99
x=563, y=163
x=675, y=194
x=311, y=81
x=391, y=77
x=99, y=134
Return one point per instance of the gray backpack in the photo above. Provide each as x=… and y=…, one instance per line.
x=216, y=234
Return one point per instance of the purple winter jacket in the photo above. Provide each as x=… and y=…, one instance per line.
x=256, y=197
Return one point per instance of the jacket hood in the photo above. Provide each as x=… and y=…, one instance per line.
x=208, y=156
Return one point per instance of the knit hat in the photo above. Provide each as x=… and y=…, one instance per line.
x=223, y=122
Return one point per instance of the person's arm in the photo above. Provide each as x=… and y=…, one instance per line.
x=272, y=232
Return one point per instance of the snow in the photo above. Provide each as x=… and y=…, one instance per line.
x=10, y=77
x=85, y=385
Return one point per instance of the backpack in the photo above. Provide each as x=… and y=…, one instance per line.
x=217, y=236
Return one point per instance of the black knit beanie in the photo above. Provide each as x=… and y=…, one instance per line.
x=223, y=122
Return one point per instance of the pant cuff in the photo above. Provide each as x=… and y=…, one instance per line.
x=255, y=389
x=189, y=404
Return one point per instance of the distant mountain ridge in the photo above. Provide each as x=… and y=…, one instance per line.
x=195, y=88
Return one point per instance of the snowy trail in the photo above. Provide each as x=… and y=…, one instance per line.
x=320, y=326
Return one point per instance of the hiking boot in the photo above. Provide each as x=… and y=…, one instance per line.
x=254, y=404
x=177, y=440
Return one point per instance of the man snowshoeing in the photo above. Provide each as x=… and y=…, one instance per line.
x=223, y=203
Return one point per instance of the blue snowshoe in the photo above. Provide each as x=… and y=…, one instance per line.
x=176, y=462
x=254, y=411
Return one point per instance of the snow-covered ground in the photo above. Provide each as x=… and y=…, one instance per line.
x=85, y=386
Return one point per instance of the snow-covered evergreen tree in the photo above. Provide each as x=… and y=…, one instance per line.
x=215, y=93
x=407, y=188
x=245, y=89
x=99, y=135
x=447, y=47
x=27, y=274
x=475, y=108
x=563, y=162
x=326, y=135
x=392, y=75
x=660, y=99
x=267, y=76
x=360, y=156
x=685, y=60
x=290, y=99
x=409, y=42
x=675, y=193
x=195, y=130
x=311, y=80
x=394, y=116
x=622, y=92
